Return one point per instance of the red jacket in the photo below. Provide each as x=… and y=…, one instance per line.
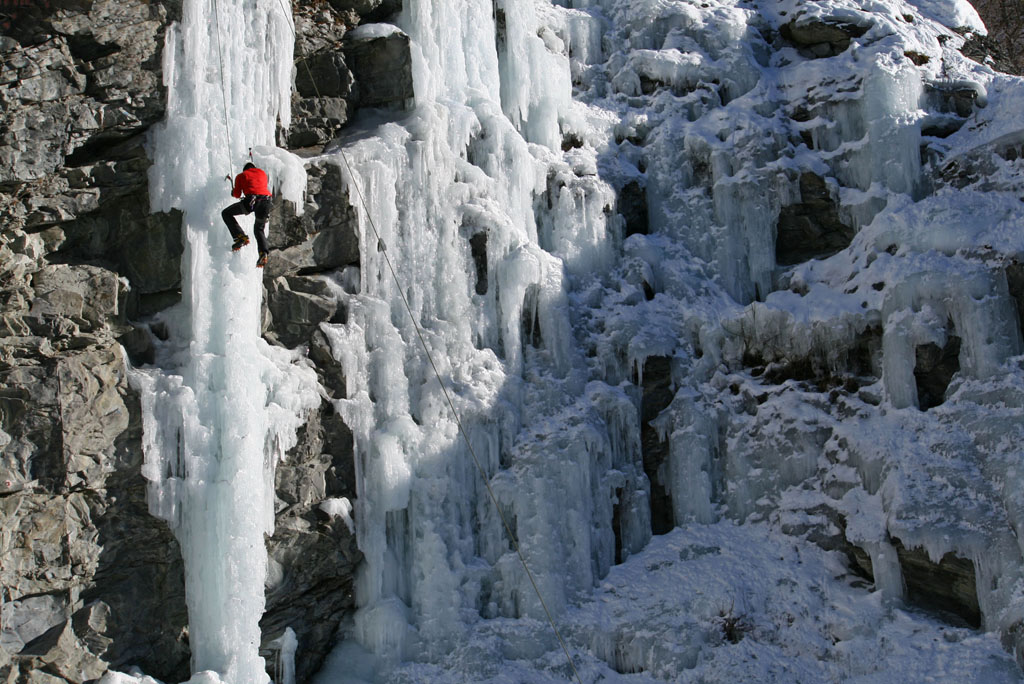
x=251, y=182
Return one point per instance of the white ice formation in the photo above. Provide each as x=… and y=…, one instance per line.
x=791, y=394
x=223, y=405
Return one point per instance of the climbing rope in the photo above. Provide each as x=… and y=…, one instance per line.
x=444, y=389
x=223, y=84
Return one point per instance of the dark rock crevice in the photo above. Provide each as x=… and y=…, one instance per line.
x=617, y=524
x=822, y=37
x=656, y=394
x=632, y=206
x=530, y=319
x=1015, y=283
x=858, y=366
x=946, y=588
x=810, y=228
x=478, y=252
x=934, y=369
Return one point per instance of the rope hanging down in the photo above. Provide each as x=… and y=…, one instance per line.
x=223, y=84
x=444, y=389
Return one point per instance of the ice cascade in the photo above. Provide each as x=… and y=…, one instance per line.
x=223, y=405
x=469, y=164
x=608, y=368
x=502, y=204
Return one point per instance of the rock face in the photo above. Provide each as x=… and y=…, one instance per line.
x=324, y=237
x=321, y=101
x=78, y=82
x=338, y=70
x=313, y=556
x=382, y=67
x=822, y=37
x=298, y=306
x=80, y=254
x=323, y=82
x=77, y=533
x=810, y=228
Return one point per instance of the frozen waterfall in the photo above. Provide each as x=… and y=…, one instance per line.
x=224, y=405
x=462, y=165
x=585, y=211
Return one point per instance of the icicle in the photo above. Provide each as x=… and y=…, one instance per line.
x=284, y=648
x=885, y=566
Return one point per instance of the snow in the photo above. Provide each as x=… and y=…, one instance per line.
x=339, y=508
x=371, y=31
x=717, y=604
x=791, y=399
x=953, y=14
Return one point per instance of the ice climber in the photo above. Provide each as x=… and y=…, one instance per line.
x=252, y=183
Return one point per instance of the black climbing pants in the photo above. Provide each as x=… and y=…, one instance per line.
x=247, y=205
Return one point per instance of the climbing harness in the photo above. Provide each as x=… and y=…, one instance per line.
x=444, y=389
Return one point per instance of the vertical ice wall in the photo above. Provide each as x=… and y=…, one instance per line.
x=469, y=164
x=224, y=405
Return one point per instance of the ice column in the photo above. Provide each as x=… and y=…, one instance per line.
x=225, y=405
x=406, y=444
x=975, y=302
x=535, y=85
x=459, y=166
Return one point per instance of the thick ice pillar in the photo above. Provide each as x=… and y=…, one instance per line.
x=213, y=420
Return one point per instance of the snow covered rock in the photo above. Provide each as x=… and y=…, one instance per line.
x=822, y=37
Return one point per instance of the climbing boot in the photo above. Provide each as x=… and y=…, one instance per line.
x=262, y=261
x=240, y=242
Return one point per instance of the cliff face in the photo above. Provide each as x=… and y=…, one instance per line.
x=90, y=579
x=773, y=429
